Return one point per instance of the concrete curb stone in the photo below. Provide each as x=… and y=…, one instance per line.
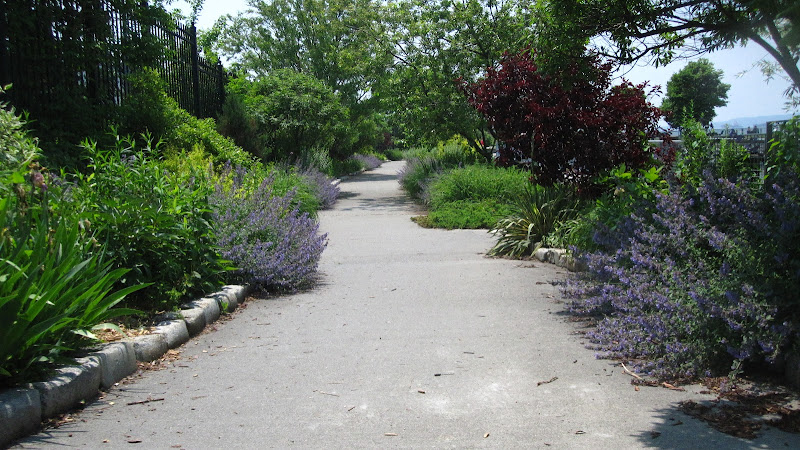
x=210, y=308
x=175, y=332
x=20, y=413
x=195, y=320
x=117, y=361
x=560, y=258
x=150, y=347
x=23, y=409
x=70, y=387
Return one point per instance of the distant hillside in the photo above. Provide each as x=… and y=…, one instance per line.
x=746, y=122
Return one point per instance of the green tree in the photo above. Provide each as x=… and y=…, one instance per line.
x=666, y=29
x=433, y=44
x=694, y=92
x=335, y=41
x=295, y=112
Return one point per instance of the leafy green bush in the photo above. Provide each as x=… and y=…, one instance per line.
x=695, y=155
x=784, y=149
x=626, y=193
x=17, y=149
x=537, y=213
x=55, y=285
x=394, y=154
x=150, y=220
x=295, y=112
x=475, y=196
x=237, y=124
x=149, y=110
x=732, y=161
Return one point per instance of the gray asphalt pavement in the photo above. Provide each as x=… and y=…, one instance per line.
x=413, y=339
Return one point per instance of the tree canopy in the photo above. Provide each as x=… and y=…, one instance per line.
x=433, y=44
x=665, y=29
x=694, y=92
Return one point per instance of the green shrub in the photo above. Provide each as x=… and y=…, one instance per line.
x=149, y=110
x=537, y=213
x=237, y=124
x=626, y=193
x=17, y=149
x=55, y=285
x=695, y=155
x=732, y=161
x=152, y=221
x=784, y=149
x=294, y=112
x=393, y=154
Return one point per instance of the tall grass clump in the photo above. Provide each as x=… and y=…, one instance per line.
x=475, y=196
x=272, y=243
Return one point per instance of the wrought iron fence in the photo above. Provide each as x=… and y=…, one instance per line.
x=63, y=53
x=755, y=141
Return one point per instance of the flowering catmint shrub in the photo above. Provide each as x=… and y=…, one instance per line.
x=702, y=282
x=270, y=242
x=326, y=192
x=368, y=161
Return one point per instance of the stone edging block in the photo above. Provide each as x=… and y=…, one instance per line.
x=560, y=258
x=70, y=387
x=210, y=307
x=23, y=409
x=175, y=332
x=117, y=361
x=150, y=347
x=20, y=413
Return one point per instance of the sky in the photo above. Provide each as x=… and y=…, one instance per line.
x=749, y=96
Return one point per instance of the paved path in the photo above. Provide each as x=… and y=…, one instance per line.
x=413, y=340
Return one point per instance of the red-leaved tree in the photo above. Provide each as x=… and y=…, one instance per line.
x=573, y=125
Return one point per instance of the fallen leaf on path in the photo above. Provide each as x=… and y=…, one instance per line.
x=390, y=434
x=486, y=435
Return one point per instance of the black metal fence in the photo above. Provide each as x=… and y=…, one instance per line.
x=60, y=55
x=755, y=141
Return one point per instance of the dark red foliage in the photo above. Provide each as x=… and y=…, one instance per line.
x=572, y=131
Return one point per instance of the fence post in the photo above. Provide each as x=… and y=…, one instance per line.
x=221, y=78
x=195, y=72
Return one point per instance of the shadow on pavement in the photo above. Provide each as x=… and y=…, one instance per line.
x=677, y=430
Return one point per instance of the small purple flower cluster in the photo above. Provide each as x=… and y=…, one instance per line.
x=368, y=161
x=271, y=243
x=326, y=192
x=699, y=280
